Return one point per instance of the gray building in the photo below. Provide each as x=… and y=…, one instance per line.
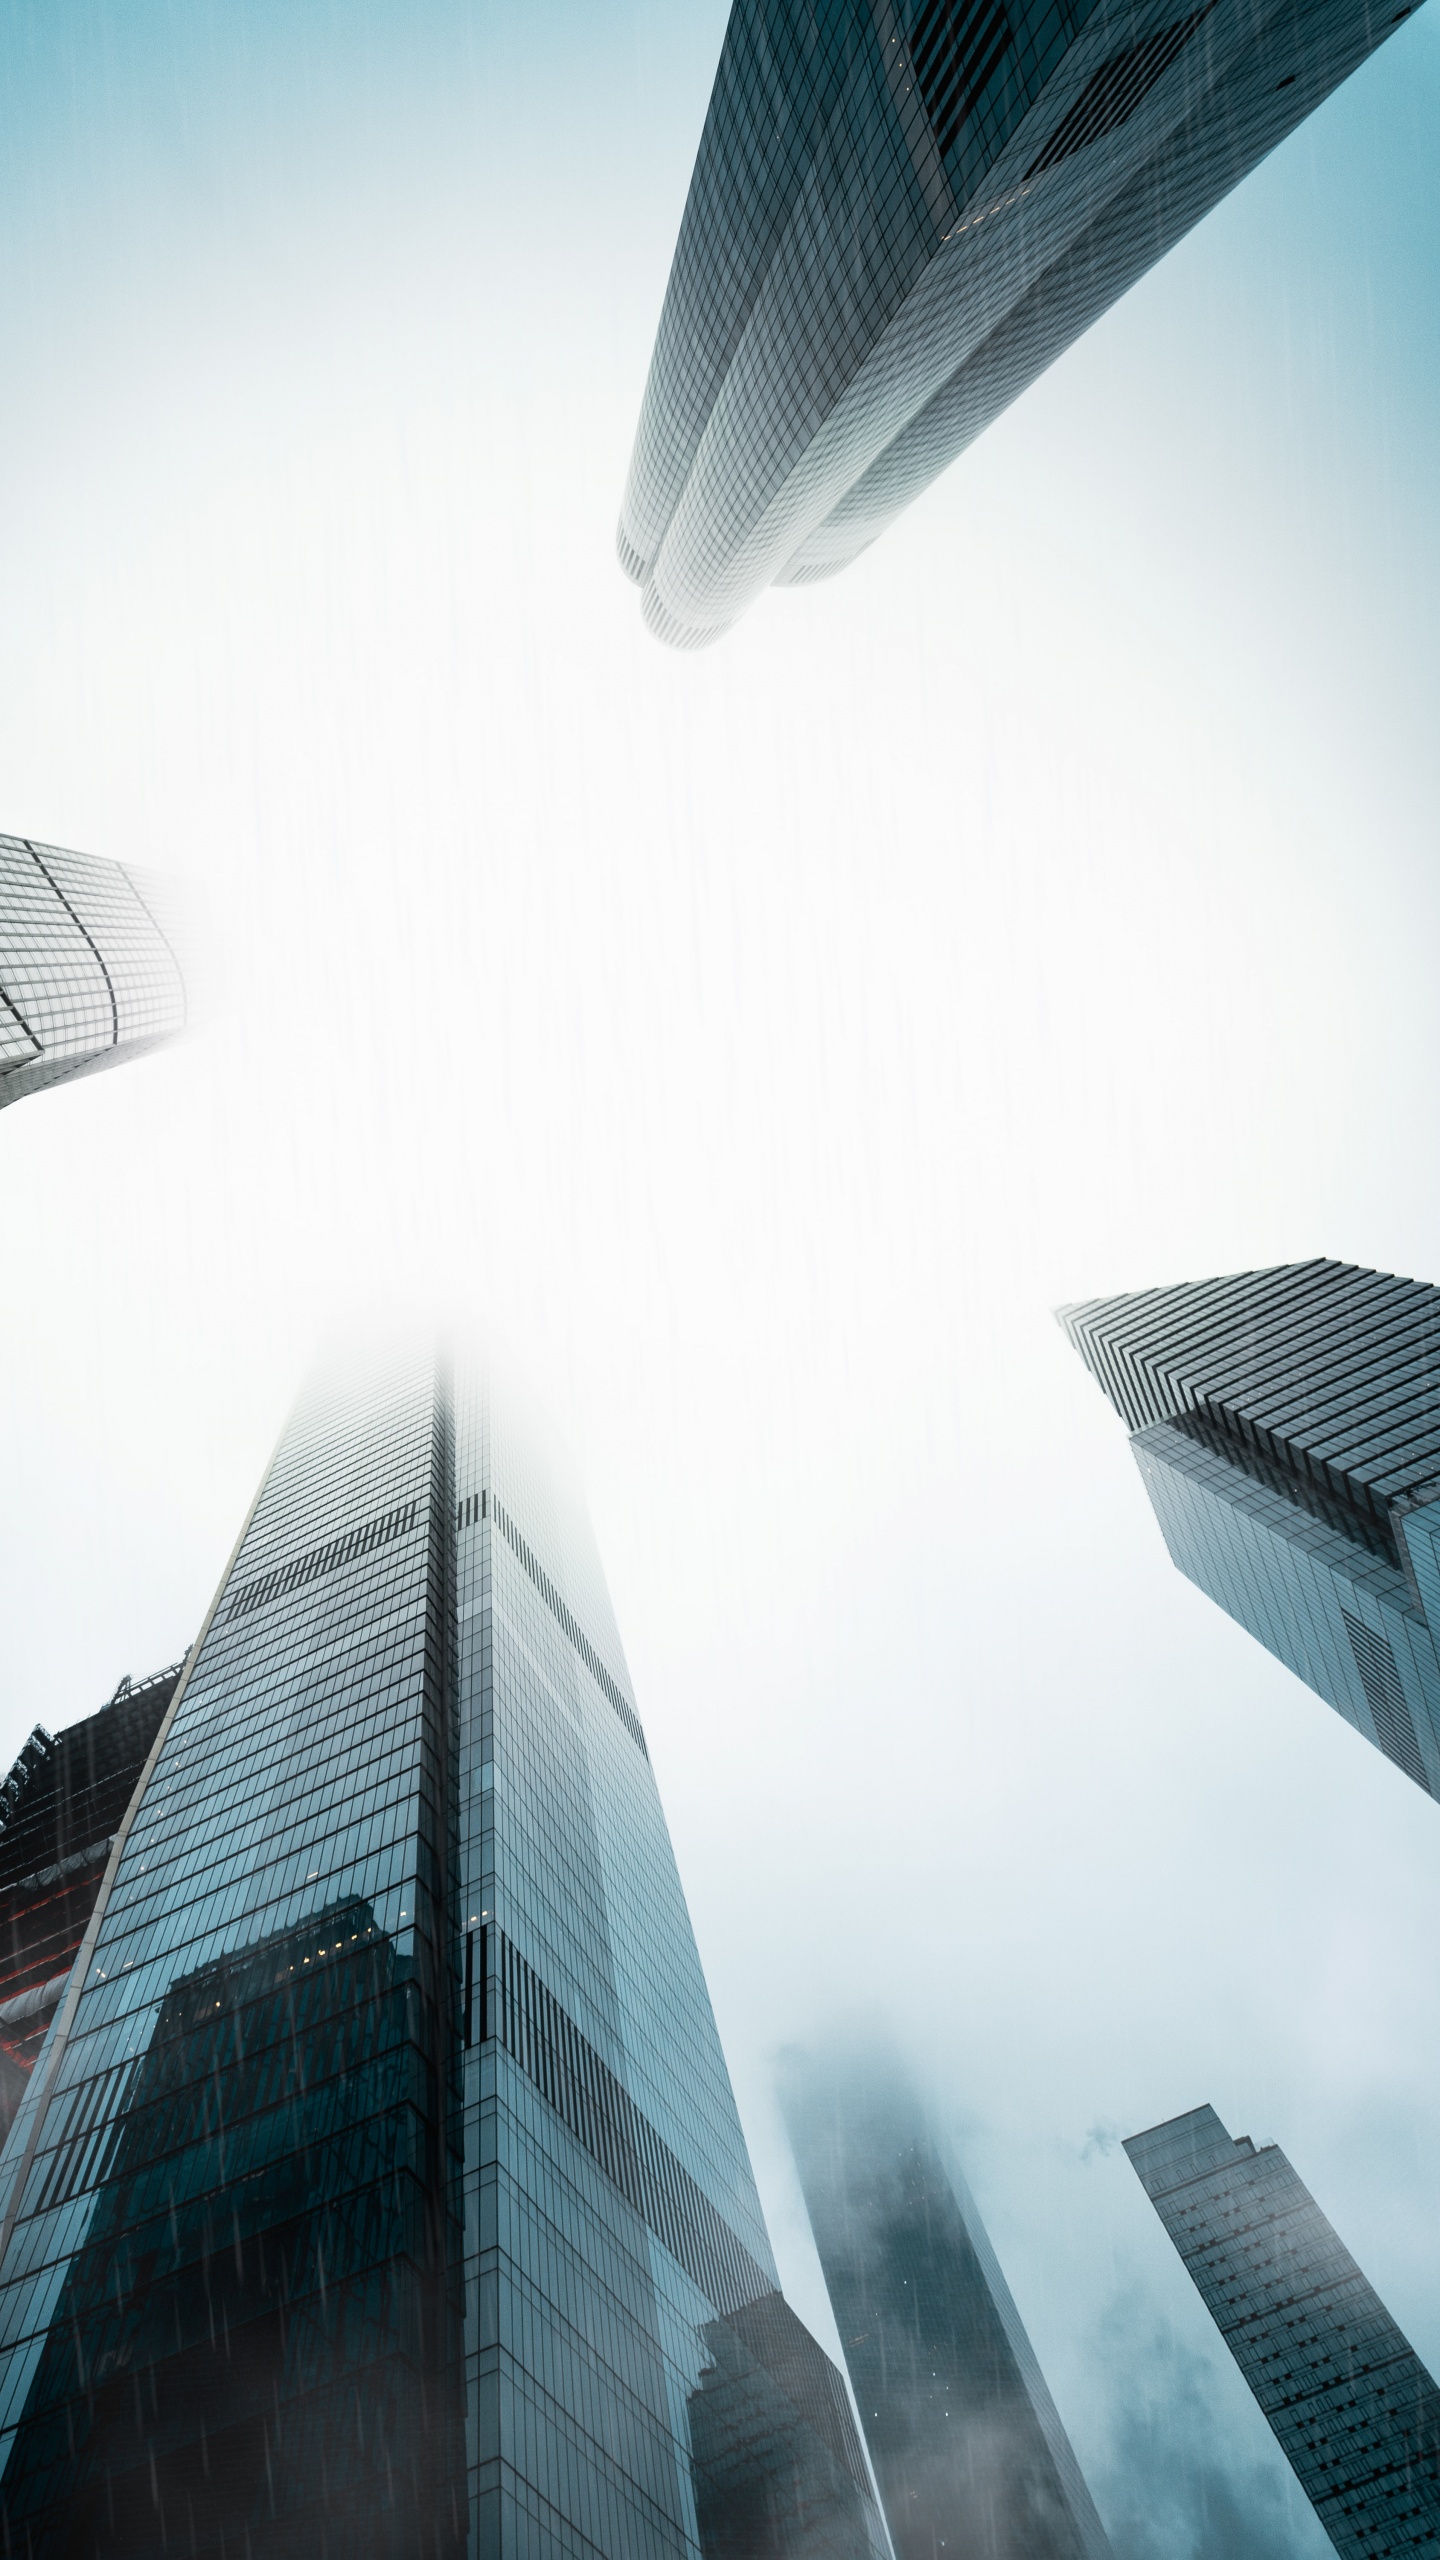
x=89, y=966
x=378, y=2192
x=901, y=212
x=1351, y=2405
x=965, y=2441
x=1287, y=1428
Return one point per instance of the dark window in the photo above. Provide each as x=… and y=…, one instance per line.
x=1262, y=1455
x=1113, y=92
x=326, y=1559
x=571, y=2076
x=957, y=47
x=1380, y=1680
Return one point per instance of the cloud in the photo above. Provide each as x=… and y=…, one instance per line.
x=1177, y=2486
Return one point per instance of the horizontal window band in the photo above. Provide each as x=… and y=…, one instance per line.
x=320, y=1560
x=518, y=2012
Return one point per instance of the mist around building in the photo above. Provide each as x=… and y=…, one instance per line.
x=663, y=1894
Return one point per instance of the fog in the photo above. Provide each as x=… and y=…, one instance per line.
x=757, y=1046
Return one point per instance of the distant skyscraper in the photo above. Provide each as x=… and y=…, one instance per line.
x=1351, y=2405
x=89, y=973
x=379, y=2191
x=966, y=2443
x=60, y=1808
x=1287, y=1425
x=902, y=211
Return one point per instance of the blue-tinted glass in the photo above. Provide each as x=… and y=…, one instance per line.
x=230, y=2303
x=1287, y=1426
x=615, y=2247
x=901, y=212
x=1349, y=2401
x=967, y=2444
x=379, y=2187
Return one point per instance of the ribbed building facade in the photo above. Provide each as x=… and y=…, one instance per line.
x=901, y=212
x=1351, y=2405
x=90, y=965
x=379, y=2190
x=968, y=2449
x=1287, y=1427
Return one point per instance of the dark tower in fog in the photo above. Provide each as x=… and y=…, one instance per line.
x=1351, y=2405
x=901, y=212
x=379, y=2190
x=89, y=972
x=965, y=2440
x=1287, y=1426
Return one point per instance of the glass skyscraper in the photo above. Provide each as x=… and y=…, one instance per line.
x=1287, y=1427
x=89, y=966
x=968, y=2449
x=1351, y=2405
x=379, y=2190
x=901, y=212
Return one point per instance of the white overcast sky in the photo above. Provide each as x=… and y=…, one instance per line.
x=760, y=1045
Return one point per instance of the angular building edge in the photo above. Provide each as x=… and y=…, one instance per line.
x=491, y=1950
x=868, y=2160
x=1290, y=1449
x=1349, y=2403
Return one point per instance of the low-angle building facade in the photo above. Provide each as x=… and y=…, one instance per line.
x=1351, y=2405
x=1287, y=1427
x=90, y=966
x=379, y=2188
x=61, y=1808
x=967, y=2446
x=902, y=211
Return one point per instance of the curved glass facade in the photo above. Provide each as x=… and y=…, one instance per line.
x=89, y=966
x=901, y=212
x=379, y=2188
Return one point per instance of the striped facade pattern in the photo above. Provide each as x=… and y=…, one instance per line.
x=1286, y=1424
x=901, y=212
x=571, y=2076
x=1349, y=2402
x=90, y=965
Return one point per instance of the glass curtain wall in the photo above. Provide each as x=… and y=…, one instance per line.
x=379, y=2189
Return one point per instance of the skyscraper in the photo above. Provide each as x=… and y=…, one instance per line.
x=966, y=2442
x=89, y=972
x=1351, y=2405
x=60, y=1808
x=1287, y=1427
x=380, y=2190
x=901, y=212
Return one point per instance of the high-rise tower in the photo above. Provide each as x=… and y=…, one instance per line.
x=89, y=968
x=379, y=2191
x=901, y=212
x=1350, y=2403
x=967, y=2445
x=1287, y=1426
